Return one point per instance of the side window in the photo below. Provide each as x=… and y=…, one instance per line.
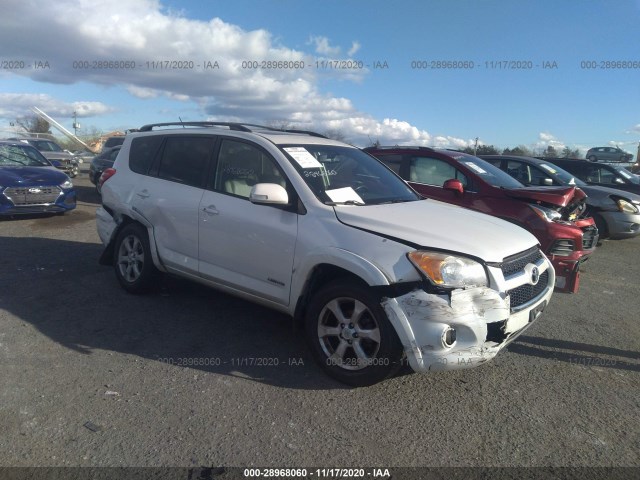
x=142, y=152
x=392, y=161
x=538, y=176
x=184, y=159
x=607, y=176
x=114, y=154
x=519, y=171
x=241, y=165
x=433, y=171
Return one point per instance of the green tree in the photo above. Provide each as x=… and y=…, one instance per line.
x=550, y=152
x=519, y=150
x=487, y=150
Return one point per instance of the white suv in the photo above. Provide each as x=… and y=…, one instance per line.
x=324, y=232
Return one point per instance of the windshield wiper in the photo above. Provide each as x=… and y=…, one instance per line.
x=346, y=202
x=397, y=200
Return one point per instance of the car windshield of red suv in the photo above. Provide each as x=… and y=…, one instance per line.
x=489, y=173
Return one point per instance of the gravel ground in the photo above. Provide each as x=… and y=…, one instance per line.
x=87, y=378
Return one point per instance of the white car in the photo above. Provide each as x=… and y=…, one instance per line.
x=324, y=232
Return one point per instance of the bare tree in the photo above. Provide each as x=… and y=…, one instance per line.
x=34, y=124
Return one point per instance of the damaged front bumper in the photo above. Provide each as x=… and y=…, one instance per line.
x=481, y=318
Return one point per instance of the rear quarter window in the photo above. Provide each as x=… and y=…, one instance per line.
x=142, y=152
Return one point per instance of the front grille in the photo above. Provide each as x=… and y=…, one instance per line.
x=563, y=248
x=515, y=264
x=524, y=293
x=589, y=237
x=32, y=195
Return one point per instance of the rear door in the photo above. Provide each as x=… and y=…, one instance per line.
x=169, y=197
x=242, y=245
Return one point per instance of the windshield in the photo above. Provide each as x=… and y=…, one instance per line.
x=628, y=175
x=45, y=145
x=561, y=176
x=346, y=175
x=18, y=155
x=488, y=172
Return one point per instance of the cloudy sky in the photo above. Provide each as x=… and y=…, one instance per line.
x=539, y=74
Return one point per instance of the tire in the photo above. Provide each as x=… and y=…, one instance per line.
x=133, y=264
x=337, y=318
x=593, y=158
x=601, y=225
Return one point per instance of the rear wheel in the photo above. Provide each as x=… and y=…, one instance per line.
x=350, y=335
x=593, y=158
x=134, y=266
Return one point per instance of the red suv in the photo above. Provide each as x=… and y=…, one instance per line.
x=555, y=215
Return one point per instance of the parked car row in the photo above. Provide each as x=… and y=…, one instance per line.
x=53, y=152
x=615, y=212
x=556, y=216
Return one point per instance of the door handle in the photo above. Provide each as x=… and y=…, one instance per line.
x=211, y=210
x=143, y=194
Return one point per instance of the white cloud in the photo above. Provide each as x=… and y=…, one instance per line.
x=636, y=128
x=17, y=105
x=323, y=48
x=545, y=139
x=142, y=33
x=355, y=46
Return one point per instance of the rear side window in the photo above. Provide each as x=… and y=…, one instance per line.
x=142, y=152
x=185, y=159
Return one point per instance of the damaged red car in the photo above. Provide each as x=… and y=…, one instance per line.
x=555, y=215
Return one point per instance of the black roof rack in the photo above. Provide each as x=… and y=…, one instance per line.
x=398, y=147
x=231, y=125
x=242, y=127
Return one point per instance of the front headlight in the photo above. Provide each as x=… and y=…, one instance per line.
x=67, y=183
x=445, y=270
x=546, y=213
x=626, y=206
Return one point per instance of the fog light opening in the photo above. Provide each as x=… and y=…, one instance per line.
x=449, y=337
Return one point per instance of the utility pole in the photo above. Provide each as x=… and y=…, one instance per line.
x=475, y=147
x=76, y=125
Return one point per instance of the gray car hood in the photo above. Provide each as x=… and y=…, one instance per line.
x=434, y=224
x=600, y=196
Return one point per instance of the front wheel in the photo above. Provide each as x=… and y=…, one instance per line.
x=350, y=335
x=134, y=266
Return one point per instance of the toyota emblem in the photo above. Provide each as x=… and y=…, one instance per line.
x=535, y=275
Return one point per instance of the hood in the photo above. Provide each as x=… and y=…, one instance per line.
x=30, y=176
x=58, y=156
x=434, y=224
x=600, y=196
x=558, y=196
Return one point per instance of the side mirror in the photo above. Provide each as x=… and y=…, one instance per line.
x=619, y=181
x=268, y=194
x=547, y=181
x=454, y=185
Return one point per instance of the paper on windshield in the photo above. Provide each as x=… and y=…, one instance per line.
x=302, y=156
x=339, y=195
x=548, y=168
x=475, y=167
